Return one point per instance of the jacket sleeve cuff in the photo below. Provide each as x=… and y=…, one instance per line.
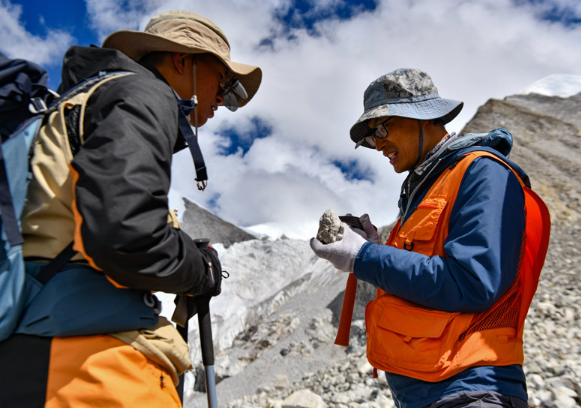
x=366, y=266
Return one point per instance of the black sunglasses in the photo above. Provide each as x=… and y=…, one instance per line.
x=229, y=88
x=381, y=132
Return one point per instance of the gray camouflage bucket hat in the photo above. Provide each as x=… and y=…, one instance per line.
x=405, y=92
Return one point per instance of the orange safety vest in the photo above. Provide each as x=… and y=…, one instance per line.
x=432, y=345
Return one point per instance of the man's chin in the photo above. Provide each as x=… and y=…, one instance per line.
x=201, y=121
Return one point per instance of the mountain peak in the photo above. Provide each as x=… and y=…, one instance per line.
x=198, y=222
x=562, y=85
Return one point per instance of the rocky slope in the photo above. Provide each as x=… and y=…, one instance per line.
x=547, y=137
x=276, y=319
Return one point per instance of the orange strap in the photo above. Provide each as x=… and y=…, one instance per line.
x=342, y=338
x=344, y=329
x=538, y=230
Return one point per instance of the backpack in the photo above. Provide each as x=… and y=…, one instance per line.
x=35, y=305
x=24, y=96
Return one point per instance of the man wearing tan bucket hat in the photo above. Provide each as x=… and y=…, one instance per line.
x=97, y=339
x=458, y=272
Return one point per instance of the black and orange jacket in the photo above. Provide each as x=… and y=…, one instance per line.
x=112, y=196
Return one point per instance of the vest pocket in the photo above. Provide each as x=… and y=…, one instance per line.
x=418, y=232
x=407, y=336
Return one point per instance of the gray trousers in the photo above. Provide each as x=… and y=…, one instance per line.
x=479, y=399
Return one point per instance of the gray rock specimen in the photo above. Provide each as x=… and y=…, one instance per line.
x=330, y=228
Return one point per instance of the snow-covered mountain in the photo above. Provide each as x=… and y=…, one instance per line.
x=277, y=291
x=562, y=85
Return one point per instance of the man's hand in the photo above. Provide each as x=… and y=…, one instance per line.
x=186, y=305
x=213, y=281
x=363, y=227
x=342, y=253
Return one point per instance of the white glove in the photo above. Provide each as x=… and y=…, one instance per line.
x=342, y=253
x=368, y=232
x=369, y=229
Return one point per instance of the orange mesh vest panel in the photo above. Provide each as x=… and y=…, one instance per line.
x=431, y=345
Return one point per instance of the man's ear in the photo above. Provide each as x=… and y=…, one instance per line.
x=179, y=61
x=430, y=125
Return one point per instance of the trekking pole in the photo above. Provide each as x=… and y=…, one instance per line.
x=206, y=341
x=202, y=304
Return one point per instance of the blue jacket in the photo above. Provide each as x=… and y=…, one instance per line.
x=483, y=248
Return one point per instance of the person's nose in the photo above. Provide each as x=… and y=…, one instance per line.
x=380, y=144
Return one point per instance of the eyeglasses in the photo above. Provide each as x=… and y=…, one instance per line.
x=229, y=88
x=381, y=132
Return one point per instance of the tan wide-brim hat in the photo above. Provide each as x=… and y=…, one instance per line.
x=184, y=31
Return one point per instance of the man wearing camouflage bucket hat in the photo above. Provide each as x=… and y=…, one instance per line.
x=99, y=340
x=460, y=267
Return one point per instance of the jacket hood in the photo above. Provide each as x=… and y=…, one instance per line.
x=84, y=62
x=497, y=142
x=499, y=139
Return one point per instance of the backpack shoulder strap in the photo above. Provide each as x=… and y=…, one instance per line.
x=9, y=218
x=78, y=95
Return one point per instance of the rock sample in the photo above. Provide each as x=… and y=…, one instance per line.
x=330, y=228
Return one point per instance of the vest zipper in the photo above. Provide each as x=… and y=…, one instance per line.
x=413, y=193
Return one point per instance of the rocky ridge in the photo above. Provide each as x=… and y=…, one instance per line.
x=201, y=223
x=547, y=135
x=281, y=353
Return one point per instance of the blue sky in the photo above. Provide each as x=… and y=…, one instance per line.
x=39, y=16
x=285, y=158
x=71, y=16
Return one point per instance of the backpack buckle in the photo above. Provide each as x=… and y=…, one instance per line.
x=37, y=106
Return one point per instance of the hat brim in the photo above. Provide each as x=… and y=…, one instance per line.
x=438, y=108
x=136, y=44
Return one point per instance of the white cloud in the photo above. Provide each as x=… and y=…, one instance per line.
x=17, y=42
x=312, y=93
x=107, y=16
